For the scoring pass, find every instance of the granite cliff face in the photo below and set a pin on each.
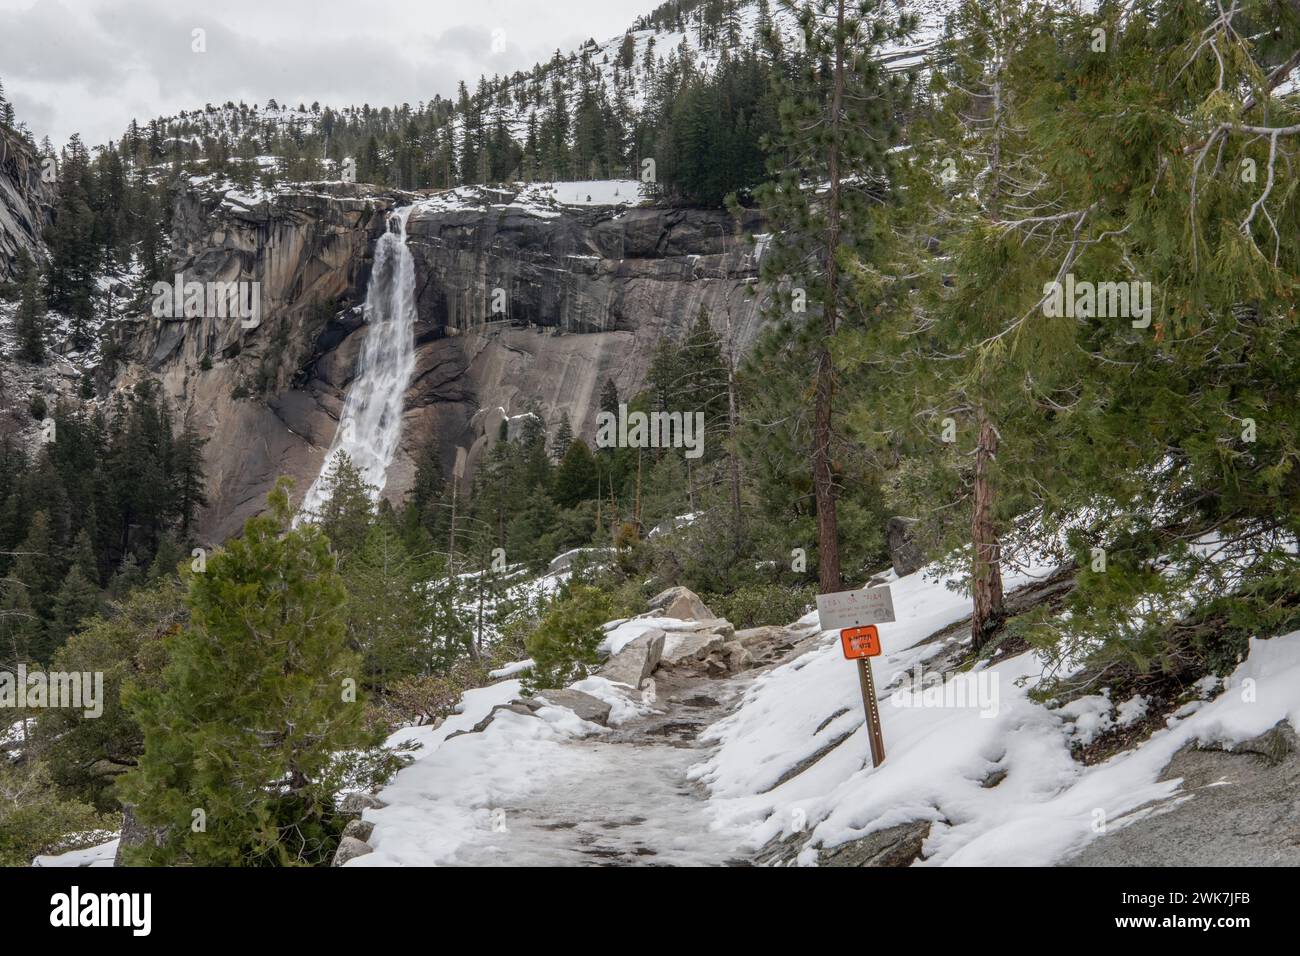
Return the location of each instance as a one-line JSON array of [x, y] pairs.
[[584, 294], [25, 201]]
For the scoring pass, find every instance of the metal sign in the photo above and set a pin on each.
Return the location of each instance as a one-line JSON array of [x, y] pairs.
[[855, 615], [855, 608], [860, 642]]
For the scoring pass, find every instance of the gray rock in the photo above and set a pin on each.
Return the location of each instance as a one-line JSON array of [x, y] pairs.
[[894, 846], [26, 202], [636, 661], [736, 655], [1243, 811], [689, 648], [349, 849], [584, 705], [904, 553], [681, 603], [359, 830], [762, 635], [353, 804], [591, 292], [521, 707]]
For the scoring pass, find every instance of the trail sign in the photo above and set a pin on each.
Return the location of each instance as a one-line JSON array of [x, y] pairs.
[[855, 615], [860, 642], [843, 609]]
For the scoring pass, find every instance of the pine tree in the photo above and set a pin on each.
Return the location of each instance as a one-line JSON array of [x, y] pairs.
[[563, 647], [575, 479], [389, 612], [347, 510], [563, 437], [30, 321], [78, 598], [837, 123], [257, 702], [187, 476]]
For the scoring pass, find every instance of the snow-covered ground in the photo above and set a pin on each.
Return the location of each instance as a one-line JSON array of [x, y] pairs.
[[99, 855], [941, 754], [943, 751]]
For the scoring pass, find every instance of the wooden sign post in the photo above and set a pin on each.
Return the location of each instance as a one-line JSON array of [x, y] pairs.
[[856, 614]]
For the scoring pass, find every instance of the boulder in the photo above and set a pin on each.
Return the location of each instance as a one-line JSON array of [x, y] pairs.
[[522, 708], [894, 846], [904, 553], [354, 804], [359, 830], [768, 633], [736, 655], [716, 625], [584, 705], [681, 603], [636, 661], [349, 849], [689, 647]]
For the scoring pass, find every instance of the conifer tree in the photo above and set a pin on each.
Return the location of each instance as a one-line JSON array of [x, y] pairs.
[[30, 321], [257, 702], [347, 510], [838, 120]]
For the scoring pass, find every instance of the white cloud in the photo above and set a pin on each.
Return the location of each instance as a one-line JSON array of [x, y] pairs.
[[90, 66]]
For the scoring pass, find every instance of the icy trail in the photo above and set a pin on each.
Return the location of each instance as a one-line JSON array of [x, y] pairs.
[[618, 800], [547, 796], [371, 422]]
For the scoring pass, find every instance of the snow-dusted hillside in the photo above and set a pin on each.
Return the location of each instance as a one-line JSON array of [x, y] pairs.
[[624, 68]]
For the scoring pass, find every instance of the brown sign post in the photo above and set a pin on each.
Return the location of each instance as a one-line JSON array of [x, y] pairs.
[[856, 614]]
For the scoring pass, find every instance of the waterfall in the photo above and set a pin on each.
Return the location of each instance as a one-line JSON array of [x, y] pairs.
[[371, 423]]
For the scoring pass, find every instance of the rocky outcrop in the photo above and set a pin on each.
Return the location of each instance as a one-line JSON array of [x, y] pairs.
[[349, 849], [690, 647], [585, 706], [636, 660], [681, 603], [586, 294], [26, 201], [904, 552], [1235, 807], [267, 398]]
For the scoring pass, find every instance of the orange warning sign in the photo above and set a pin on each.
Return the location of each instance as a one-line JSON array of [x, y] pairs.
[[860, 642]]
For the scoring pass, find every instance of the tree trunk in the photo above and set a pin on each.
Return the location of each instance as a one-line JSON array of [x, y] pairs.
[[828, 539], [986, 553], [733, 427]]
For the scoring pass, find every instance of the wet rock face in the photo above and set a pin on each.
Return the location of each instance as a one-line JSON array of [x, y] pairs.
[[266, 397], [582, 270], [586, 294], [25, 202], [545, 305]]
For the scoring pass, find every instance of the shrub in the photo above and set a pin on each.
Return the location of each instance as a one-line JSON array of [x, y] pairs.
[[755, 605], [563, 647]]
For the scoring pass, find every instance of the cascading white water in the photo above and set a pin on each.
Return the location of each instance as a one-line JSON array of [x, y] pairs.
[[371, 423]]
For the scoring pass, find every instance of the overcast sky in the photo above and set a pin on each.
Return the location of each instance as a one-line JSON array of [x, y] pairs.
[[89, 66]]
